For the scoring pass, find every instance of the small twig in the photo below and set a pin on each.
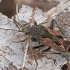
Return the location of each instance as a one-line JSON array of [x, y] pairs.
[[25, 56], [17, 11], [56, 11]]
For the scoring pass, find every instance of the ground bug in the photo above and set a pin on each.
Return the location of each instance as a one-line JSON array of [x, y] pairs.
[[48, 36]]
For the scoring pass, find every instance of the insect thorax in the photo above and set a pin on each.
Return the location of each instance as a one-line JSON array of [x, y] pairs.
[[38, 31]]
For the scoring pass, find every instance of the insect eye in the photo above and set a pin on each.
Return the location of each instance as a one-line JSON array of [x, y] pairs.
[[33, 39], [60, 37]]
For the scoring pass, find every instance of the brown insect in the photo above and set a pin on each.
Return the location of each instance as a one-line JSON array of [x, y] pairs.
[[47, 36]]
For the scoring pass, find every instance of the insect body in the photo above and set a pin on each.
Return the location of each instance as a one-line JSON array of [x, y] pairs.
[[37, 32], [48, 36]]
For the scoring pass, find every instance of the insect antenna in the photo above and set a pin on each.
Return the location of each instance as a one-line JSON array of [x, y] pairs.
[[10, 29], [18, 21]]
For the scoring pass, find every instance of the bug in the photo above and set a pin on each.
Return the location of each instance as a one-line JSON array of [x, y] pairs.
[[48, 36]]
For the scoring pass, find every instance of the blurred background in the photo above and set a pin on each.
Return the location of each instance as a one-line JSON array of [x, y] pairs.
[[8, 7]]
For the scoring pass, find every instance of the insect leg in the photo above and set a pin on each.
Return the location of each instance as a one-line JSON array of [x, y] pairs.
[[56, 53], [46, 49], [53, 22], [38, 46], [17, 24], [35, 59], [21, 40]]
